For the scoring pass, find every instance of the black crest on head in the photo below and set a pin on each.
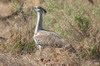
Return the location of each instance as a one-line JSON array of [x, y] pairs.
[[38, 7], [44, 10]]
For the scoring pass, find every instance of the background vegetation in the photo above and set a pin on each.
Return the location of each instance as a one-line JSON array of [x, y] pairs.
[[78, 21]]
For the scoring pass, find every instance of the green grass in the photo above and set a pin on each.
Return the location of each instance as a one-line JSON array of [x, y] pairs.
[[15, 4], [76, 20], [96, 10], [21, 47], [94, 51]]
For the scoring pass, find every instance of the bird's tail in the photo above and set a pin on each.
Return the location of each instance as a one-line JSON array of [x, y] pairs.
[[70, 48]]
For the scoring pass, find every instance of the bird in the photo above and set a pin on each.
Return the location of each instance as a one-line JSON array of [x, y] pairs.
[[43, 37]]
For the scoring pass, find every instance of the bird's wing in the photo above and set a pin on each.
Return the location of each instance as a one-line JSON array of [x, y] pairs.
[[49, 38]]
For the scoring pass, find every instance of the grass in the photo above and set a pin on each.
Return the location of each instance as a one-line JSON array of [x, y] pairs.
[[21, 47], [95, 51], [77, 21], [96, 10]]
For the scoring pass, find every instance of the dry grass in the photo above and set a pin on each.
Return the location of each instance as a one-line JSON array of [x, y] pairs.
[[77, 21]]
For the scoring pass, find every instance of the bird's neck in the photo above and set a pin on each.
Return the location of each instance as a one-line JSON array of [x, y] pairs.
[[39, 22]]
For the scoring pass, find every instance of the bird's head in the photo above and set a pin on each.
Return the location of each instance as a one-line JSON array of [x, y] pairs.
[[39, 9]]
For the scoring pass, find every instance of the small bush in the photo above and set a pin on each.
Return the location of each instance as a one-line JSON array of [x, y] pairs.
[[21, 47], [95, 51]]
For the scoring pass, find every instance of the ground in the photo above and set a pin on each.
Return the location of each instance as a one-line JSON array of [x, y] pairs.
[[76, 21]]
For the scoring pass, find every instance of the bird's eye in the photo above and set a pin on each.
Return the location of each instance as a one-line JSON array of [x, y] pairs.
[[34, 7]]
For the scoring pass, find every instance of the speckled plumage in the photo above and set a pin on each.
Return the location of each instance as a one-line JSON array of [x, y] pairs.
[[48, 38]]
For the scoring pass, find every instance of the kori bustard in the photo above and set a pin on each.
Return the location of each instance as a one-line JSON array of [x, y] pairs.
[[44, 37]]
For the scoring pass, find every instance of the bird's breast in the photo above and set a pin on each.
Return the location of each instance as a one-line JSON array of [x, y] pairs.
[[36, 34], [37, 41]]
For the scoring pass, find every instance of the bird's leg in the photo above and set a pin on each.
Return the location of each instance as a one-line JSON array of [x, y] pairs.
[[40, 49]]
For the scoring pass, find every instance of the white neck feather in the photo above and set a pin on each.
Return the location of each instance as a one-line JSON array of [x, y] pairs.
[[39, 22]]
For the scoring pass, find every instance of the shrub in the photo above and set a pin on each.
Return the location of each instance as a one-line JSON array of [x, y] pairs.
[[21, 47]]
